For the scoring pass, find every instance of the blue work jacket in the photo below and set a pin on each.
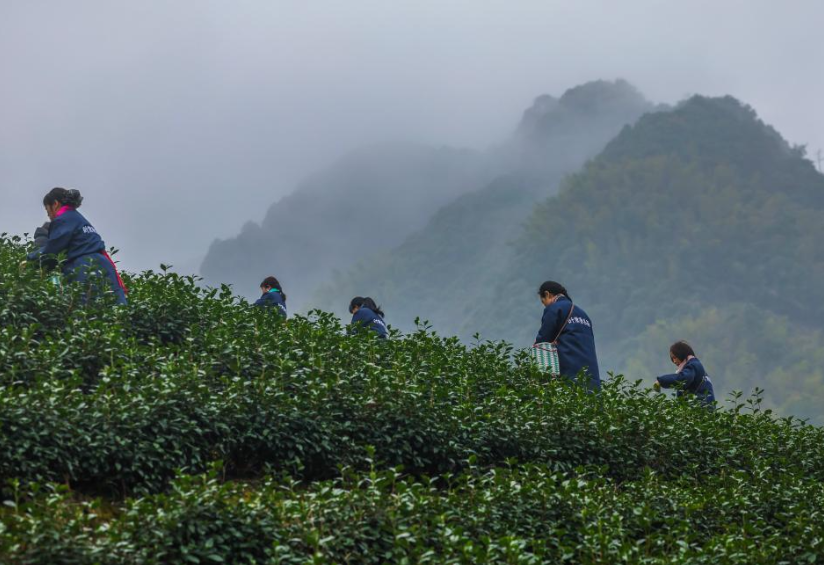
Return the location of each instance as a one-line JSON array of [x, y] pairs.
[[273, 299], [693, 378], [72, 234], [576, 343], [368, 318]]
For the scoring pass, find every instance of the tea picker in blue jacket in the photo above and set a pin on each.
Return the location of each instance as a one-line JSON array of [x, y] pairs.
[[273, 296], [70, 233], [690, 377], [570, 328], [367, 314]]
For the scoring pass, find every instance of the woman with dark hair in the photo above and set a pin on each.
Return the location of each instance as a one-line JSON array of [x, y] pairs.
[[273, 296], [70, 233], [690, 376], [367, 314], [569, 329]]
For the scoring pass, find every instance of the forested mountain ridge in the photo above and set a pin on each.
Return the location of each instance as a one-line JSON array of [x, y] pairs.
[[450, 268], [706, 198], [699, 223]]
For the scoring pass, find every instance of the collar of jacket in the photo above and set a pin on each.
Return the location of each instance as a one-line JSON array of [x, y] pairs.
[[63, 210]]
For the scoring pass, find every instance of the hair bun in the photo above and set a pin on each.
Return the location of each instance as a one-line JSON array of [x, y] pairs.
[[74, 198]]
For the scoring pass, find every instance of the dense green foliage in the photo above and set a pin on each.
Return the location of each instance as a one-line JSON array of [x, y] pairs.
[[295, 442], [508, 515]]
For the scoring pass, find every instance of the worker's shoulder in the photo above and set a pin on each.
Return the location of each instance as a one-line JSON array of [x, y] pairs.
[[696, 364], [69, 218]]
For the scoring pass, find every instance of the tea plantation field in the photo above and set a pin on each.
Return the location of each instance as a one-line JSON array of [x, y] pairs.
[[190, 428]]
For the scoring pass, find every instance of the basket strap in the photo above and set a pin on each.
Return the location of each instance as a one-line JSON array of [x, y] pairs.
[[571, 308]]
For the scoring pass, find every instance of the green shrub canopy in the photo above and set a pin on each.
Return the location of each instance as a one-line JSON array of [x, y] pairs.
[[190, 427]]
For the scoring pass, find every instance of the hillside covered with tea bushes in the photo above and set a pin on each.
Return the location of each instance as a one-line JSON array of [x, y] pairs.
[[190, 427]]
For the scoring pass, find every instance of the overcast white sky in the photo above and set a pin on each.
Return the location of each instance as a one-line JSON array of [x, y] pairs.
[[181, 120]]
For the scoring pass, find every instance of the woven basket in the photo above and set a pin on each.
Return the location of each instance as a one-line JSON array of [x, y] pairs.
[[545, 356]]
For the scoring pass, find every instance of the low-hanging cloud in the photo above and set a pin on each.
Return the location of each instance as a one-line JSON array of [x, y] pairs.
[[182, 120]]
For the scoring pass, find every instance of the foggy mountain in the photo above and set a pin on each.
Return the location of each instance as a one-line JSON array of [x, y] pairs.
[[450, 268], [180, 121], [557, 135], [368, 201], [374, 198]]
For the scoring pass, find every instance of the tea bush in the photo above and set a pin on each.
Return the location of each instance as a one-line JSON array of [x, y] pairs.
[[115, 402], [506, 515]]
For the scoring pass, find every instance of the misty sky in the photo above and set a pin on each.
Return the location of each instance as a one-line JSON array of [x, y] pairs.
[[181, 120]]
